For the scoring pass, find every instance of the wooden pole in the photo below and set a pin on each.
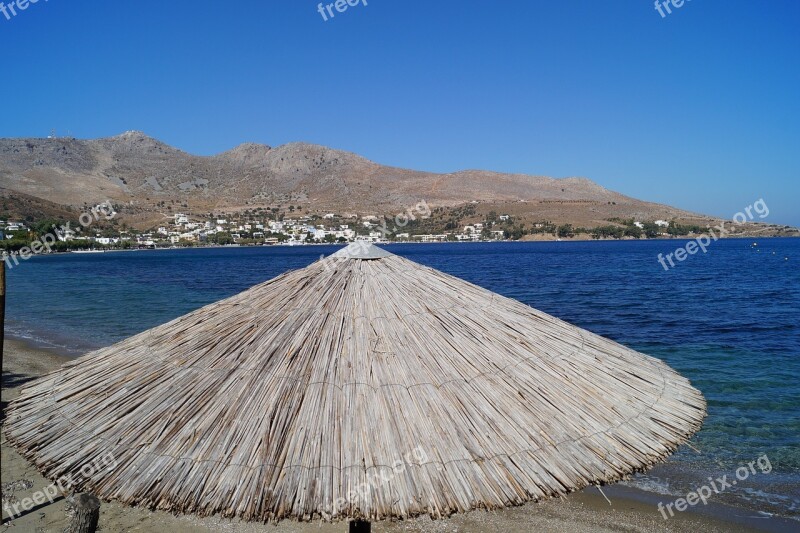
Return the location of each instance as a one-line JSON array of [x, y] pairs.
[[360, 526], [87, 514], [2, 325], [2, 306]]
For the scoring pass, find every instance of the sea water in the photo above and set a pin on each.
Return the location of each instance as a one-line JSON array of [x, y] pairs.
[[727, 319]]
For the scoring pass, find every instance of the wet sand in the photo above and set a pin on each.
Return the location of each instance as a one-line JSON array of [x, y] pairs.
[[588, 510]]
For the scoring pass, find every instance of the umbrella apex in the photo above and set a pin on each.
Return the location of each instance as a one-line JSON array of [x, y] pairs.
[[362, 250]]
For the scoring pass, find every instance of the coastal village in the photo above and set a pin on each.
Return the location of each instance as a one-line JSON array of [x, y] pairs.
[[287, 227], [183, 230]]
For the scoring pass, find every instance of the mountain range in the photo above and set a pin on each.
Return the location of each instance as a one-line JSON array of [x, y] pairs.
[[149, 178]]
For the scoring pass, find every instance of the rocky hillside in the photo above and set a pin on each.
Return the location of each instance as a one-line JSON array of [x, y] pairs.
[[150, 178]]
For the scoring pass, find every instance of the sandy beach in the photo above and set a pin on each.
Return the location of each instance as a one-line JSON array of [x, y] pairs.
[[630, 509]]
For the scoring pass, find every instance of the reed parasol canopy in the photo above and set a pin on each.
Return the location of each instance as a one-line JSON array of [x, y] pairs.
[[364, 386]]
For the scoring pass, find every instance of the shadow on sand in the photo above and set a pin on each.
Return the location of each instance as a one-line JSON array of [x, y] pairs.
[[11, 380]]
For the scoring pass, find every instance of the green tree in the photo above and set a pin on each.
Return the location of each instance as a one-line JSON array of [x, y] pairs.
[[651, 229], [633, 231], [222, 238]]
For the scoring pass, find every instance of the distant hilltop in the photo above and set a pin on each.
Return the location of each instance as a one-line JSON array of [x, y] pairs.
[[150, 179]]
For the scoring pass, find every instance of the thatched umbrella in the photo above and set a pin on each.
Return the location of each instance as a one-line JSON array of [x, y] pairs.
[[365, 386]]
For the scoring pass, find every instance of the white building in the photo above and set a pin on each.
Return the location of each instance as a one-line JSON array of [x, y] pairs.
[[64, 234], [431, 238]]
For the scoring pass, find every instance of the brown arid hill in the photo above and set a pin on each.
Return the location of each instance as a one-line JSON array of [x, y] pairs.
[[17, 206], [150, 180]]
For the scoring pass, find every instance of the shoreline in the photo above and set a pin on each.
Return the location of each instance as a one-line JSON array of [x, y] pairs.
[[630, 509], [38, 341], [54, 352], [535, 239]]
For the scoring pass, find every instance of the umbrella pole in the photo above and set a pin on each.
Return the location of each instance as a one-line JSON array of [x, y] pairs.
[[2, 325], [2, 305], [360, 526], [87, 514]]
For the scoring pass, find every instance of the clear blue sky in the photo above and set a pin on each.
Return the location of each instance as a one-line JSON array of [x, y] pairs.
[[699, 109]]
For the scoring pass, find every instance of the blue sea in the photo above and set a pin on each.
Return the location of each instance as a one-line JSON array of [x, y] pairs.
[[728, 319]]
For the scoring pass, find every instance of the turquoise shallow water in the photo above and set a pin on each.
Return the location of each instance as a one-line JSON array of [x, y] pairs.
[[728, 319]]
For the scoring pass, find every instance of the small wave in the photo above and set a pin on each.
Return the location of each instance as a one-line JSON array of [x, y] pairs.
[[52, 343], [653, 485]]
